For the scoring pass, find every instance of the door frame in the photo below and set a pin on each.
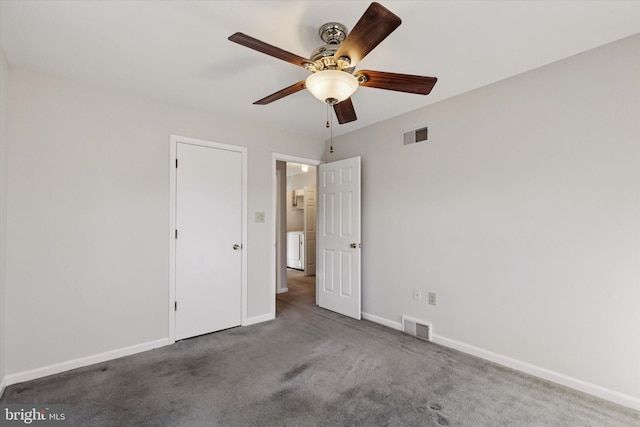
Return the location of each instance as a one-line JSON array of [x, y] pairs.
[[173, 145], [274, 198]]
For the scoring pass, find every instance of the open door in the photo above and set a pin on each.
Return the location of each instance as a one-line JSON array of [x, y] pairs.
[[339, 256]]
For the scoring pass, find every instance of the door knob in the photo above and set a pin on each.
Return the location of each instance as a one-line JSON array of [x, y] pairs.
[[353, 246], [236, 247]]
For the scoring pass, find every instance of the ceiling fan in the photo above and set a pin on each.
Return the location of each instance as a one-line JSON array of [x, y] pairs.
[[334, 79]]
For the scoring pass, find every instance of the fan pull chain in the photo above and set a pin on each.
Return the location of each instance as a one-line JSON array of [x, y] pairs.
[[327, 125], [330, 125]]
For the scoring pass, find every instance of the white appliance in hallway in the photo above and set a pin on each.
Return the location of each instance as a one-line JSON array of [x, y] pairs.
[[295, 249]]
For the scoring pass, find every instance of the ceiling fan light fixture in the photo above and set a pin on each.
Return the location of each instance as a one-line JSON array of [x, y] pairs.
[[331, 86]]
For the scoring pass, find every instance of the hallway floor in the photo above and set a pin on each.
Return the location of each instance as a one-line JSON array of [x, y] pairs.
[[302, 290]]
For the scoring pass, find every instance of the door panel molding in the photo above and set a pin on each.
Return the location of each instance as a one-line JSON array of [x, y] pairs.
[[310, 222]]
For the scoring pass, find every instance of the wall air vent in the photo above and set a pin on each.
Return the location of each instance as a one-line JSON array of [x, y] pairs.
[[415, 135], [417, 328]]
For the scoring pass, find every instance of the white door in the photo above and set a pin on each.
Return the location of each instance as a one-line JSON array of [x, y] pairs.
[[339, 237], [209, 236], [309, 231]]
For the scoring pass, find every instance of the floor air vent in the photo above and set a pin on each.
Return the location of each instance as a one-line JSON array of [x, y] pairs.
[[417, 328], [415, 135]]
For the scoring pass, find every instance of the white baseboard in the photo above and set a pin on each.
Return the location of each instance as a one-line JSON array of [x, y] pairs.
[[259, 319], [3, 385], [382, 321], [83, 361], [101, 357], [282, 290], [556, 377]]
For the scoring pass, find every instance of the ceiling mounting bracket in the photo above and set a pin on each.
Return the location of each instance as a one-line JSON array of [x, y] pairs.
[[333, 33]]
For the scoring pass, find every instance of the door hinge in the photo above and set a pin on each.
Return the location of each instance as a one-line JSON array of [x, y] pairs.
[[176, 233], [175, 306], [176, 163]]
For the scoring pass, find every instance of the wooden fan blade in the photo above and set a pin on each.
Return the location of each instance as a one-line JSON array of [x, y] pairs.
[[345, 112], [296, 87], [268, 49], [399, 82], [375, 25]]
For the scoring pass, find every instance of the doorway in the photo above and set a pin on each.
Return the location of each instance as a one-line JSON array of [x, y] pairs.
[[295, 230]]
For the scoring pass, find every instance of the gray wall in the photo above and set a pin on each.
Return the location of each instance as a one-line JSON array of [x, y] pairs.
[[522, 212], [88, 217]]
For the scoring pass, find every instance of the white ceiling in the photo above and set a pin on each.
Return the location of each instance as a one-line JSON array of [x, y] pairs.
[[177, 51]]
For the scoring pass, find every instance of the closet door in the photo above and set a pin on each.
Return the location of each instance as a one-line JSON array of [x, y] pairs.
[[208, 263]]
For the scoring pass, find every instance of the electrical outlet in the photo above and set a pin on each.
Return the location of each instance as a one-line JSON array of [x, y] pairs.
[[417, 294], [260, 216], [432, 298]]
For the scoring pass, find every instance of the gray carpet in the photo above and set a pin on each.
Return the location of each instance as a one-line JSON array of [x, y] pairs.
[[312, 367]]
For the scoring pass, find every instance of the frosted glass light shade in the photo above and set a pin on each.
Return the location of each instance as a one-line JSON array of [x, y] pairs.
[[331, 84]]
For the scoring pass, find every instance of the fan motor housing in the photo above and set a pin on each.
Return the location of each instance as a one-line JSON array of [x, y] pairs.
[[324, 51]]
